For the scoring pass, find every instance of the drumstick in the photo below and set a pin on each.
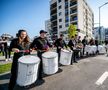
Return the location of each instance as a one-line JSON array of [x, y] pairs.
[[24, 51]]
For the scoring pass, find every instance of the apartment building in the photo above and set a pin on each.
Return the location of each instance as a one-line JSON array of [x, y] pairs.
[[66, 12]]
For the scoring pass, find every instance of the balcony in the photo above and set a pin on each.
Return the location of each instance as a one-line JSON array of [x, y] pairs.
[[72, 3], [53, 12], [54, 24], [53, 6], [73, 11], [53, 18], [73, 19]]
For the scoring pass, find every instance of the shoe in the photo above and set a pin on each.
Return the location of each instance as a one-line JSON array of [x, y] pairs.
[[6, 60], [75, 62]]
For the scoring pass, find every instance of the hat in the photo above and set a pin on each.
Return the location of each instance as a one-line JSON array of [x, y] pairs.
[[42, 31]]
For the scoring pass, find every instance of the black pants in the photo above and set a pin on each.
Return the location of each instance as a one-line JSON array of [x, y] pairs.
[[39, 54], [14, 72], [59, 54]]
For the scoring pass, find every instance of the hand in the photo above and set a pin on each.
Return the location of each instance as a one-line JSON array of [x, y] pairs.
[[15, 50]]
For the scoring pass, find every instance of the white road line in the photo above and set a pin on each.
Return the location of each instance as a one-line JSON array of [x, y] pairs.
[[102, 78]]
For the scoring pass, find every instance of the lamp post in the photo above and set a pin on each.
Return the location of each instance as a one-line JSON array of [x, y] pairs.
[[99, 21]]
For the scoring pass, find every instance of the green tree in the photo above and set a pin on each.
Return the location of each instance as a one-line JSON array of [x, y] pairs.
[[72, 30]]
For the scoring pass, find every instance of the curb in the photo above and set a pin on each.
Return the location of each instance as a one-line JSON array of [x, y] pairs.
[[4, 73]]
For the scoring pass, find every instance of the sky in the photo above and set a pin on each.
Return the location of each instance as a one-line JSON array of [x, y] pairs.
[[31, 15]]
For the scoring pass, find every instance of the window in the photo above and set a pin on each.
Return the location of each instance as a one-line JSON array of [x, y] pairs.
[[60, 20], [60, 26], [66, 19], [59, 1], [60, 13], [60, 7], [67, 24]]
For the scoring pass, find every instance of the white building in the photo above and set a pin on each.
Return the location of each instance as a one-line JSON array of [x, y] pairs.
[[66, 12], [96, 33], [48, 29]]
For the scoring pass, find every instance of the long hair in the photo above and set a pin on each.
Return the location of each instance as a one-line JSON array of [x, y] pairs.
[[25, 41]]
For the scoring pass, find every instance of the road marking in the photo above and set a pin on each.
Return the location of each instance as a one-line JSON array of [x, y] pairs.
[[102, 78]]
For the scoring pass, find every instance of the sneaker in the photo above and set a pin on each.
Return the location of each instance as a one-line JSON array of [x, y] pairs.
[[6, 60]]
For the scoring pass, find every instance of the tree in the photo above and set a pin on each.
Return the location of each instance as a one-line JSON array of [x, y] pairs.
[[72, 30]]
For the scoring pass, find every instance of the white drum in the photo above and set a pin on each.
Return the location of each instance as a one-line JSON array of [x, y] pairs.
[[90, 49], [50, 62], [65, 57], [101, 49], [27, 70]]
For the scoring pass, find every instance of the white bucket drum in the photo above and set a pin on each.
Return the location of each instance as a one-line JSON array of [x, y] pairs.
[[65, 57], [101, 49], [27, 70], [50, 62], [91, 49]]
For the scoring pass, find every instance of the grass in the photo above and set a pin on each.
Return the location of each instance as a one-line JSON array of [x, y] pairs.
[[2, 54], [5, 68]]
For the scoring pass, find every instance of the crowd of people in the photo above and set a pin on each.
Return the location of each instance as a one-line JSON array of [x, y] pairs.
[[41, 45]]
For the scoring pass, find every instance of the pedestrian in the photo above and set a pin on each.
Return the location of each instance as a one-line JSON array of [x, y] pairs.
[[42, 45], [5, 48], [84, 42], [60, 44], [22, 42], [71, 45], [97, 43]]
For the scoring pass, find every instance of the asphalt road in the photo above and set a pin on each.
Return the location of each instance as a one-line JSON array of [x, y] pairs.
[[79, 76]]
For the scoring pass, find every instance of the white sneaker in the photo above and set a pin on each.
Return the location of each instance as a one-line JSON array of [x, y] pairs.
[[6, 60]]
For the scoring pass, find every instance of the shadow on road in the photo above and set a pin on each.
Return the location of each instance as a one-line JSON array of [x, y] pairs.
[[6, 76], [4, 86]]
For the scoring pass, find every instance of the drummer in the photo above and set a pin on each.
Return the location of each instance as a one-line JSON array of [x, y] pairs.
[[72, 45], [42, 45], [60, 43], [22, 42]]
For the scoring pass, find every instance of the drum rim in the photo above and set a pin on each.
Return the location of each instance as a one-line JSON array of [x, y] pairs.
[[66, 52], [29, 63], [49, 57]]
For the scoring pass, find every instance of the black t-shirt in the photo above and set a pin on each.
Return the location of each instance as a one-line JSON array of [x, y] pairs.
[[40, 44]]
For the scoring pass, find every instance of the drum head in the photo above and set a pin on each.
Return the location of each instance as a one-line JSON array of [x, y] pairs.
[[49, 54], [67, 51], [28, 59]]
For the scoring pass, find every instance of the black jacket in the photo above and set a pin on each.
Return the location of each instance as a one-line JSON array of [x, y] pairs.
[[40, 43], [71, 44], [60, 43]]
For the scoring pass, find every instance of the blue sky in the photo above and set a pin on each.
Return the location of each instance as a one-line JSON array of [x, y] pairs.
[[31, 15]]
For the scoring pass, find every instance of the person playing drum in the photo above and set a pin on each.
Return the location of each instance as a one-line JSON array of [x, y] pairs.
[[42, 45], [22, 42], [60, 43]]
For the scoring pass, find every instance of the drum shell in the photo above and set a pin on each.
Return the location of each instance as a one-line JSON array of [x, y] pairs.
[[27, 73], [50, 65], [65, 57]]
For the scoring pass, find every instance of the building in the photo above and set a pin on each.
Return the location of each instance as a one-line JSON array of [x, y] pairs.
[[48, 29], [96, 33], [66, 12], [106, 34]]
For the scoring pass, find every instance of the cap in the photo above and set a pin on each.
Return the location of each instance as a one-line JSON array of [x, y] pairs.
[[42, 31]]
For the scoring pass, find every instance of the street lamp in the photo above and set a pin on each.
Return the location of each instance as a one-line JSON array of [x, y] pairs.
[[99, 20]]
